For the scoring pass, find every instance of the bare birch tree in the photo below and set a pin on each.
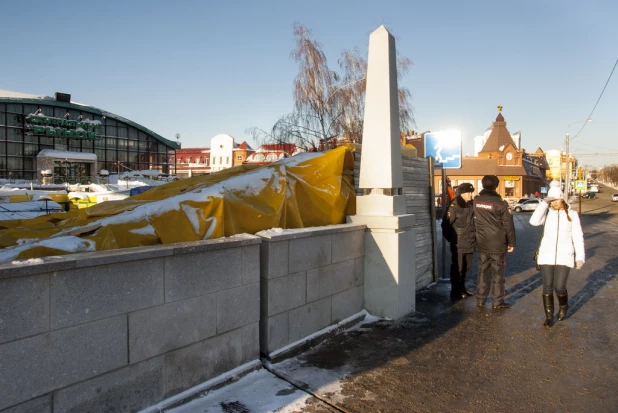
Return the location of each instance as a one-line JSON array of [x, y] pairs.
[[328, 106]]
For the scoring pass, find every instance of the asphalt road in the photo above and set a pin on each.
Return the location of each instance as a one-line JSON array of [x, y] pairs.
[[449, 357]]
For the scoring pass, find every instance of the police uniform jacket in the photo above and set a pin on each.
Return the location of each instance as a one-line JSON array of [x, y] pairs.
[[461, 218], [495, 231]]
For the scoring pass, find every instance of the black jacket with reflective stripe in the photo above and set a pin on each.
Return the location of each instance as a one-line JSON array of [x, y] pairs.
[[495, 231]]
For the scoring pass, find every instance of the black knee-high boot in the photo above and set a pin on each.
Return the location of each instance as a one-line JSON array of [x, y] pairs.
[[548, 304], [563, 302]]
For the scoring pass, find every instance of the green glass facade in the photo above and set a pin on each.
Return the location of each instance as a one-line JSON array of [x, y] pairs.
[[28, 126]]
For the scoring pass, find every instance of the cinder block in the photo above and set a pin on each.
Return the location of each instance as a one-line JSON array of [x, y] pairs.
[[238, 307], [274, 333], [24, 306], [197, 363], [348, 245], [359, 271], [250, 264], [250, 342], [285, 293], [129, 389], [37, 365], [308, 319], [273, 259], [157, 330], [78, 296], [308, 253], [347, 303], [39, 405], [190, 275]]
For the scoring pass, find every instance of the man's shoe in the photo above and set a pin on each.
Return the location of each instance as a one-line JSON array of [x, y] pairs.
[[468, 292], [502, 305], [457, 295], [480, 306]]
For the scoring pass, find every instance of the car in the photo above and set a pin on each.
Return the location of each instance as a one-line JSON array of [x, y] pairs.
[[615, 198], [589, 195], [527, 205]]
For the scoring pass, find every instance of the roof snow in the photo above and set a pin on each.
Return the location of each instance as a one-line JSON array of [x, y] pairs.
[[52, 153]]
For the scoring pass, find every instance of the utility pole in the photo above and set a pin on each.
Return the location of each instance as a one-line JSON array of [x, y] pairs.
[[567, 180], [568, 158]]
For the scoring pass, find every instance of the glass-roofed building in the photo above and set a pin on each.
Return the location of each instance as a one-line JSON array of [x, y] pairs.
[[69, 141]]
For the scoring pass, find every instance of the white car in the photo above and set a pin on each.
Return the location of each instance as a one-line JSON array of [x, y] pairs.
[[528, 205], [615, 198]]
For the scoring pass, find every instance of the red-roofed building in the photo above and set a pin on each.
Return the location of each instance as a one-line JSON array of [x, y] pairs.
[[223, 153], [272, 152], [192, 161], [242, 152], [520, 173]]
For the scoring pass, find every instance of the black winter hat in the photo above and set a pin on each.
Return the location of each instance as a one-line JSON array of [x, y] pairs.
[[490, 182], [466, 187]]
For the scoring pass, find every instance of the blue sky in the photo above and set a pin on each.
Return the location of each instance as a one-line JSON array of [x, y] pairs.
[[200, 68]]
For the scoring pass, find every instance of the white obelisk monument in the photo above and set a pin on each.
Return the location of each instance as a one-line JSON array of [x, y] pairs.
[[390, 276]]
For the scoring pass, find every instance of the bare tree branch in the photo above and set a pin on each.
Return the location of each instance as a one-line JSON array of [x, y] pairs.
[[329, 106]]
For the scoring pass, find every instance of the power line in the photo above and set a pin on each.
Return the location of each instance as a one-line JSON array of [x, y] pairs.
[[595, 105], [595, 154], [596, 146]]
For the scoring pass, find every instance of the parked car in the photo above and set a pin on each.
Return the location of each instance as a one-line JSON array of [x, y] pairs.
[[527, 205], [589, 195], [615, 198]]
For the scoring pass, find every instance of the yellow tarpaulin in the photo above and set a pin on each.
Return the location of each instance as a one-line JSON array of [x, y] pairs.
[[299, 192]]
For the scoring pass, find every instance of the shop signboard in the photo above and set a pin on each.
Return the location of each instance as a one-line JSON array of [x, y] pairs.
[[63, 128]]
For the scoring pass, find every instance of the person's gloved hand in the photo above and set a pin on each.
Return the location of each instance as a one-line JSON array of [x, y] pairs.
[[579, 264]]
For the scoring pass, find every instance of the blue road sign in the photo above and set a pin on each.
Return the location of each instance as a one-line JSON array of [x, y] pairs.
[[543, 189], [580, 185], [444, 147]]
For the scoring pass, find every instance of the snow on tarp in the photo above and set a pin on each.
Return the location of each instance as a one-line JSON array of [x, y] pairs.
[[291, 193]]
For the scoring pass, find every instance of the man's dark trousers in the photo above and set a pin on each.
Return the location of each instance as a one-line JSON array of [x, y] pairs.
[[491, 268], [460, 265]]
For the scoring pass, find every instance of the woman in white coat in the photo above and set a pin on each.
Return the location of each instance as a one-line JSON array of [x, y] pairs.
[[561, 248]]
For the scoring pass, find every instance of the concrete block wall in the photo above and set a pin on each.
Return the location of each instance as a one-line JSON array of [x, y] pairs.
[[417, 190], [311, 279], [123, 330]]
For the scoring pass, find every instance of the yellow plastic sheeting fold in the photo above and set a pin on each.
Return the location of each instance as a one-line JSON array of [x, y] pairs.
[[296, 192]]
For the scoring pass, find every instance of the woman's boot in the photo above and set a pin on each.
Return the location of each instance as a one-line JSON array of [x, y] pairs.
[[548, 304], [563, 302]]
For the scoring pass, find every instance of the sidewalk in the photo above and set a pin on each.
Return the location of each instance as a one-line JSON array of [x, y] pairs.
[[449, 357]]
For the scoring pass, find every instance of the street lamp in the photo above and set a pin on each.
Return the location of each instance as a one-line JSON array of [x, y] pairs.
[[567, 181]]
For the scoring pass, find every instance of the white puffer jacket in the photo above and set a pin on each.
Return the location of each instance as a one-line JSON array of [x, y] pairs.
[[563, 240]]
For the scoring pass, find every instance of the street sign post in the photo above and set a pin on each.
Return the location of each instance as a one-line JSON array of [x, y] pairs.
[[581, 185], [444, 147]]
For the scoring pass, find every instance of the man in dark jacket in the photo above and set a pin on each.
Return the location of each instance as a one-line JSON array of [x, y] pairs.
[[495, 235], [460, 217]]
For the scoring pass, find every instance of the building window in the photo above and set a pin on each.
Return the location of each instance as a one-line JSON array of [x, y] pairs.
[[220, 160], [239, 158]]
